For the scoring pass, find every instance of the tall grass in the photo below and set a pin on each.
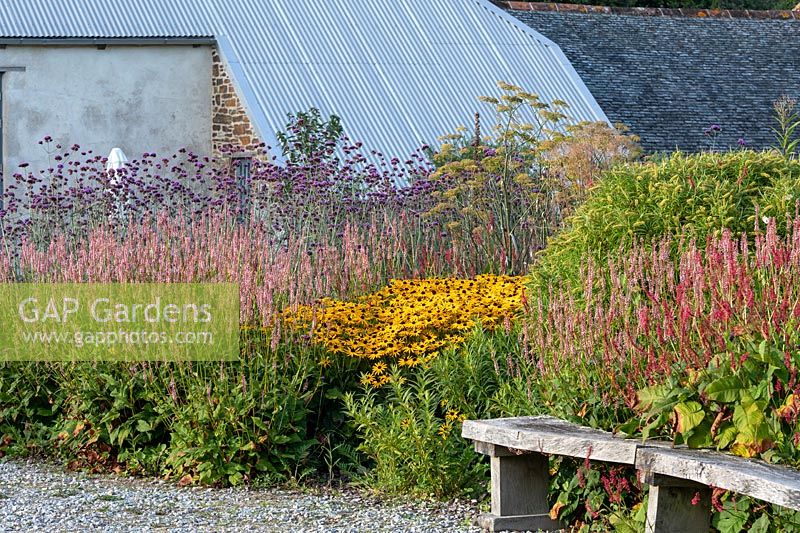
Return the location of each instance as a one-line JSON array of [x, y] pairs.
[[214, 247]]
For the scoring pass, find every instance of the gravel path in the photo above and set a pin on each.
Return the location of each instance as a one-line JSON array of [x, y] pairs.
[[39, 497]]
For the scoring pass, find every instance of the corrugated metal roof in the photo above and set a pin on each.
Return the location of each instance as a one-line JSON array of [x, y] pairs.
[[102, 19], [400, 73]]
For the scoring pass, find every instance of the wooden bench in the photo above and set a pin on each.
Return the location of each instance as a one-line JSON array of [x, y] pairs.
[[518, 450]]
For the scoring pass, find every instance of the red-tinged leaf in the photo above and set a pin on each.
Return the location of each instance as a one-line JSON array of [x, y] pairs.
[[689, 415]]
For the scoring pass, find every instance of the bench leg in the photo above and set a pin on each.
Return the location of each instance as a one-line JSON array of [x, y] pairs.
[[519, 492], [670, 508]]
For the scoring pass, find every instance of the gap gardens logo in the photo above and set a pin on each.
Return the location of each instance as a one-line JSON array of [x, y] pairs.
[[118, 321]]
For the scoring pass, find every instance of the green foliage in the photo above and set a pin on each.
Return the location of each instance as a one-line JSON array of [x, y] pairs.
[[471, 377], [682, 196], [746, 407], [787, 131], [28, 407], [596, 496], [493, 196], [308, 138], [106, 416], [207, 423], [235, 421], [711, 368], [511, 190], [489, 376], [409, 430], [738, 515], [413, 438]]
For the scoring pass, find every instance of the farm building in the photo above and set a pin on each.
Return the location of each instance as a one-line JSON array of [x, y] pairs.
[[154, 76]]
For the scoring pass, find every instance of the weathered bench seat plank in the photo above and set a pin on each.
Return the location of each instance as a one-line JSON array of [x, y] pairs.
[[679, 478], [771, 483], [545, 434]]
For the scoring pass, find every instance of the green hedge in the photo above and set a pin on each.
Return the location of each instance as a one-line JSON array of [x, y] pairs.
[[679, 196]]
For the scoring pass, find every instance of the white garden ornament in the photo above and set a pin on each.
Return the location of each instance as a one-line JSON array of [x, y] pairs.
[[116, 160]]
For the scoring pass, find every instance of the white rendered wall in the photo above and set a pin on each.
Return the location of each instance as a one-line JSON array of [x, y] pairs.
[[138, 98]]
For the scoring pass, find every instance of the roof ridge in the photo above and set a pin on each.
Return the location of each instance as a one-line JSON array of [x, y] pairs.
[[773, 14]]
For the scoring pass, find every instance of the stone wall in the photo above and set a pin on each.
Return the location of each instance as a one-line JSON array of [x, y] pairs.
[[231, 125]]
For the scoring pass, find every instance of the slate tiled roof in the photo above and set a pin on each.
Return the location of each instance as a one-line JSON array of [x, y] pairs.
[[670, 77], [400, 73]]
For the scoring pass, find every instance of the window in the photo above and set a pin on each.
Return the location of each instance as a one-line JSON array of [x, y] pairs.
[[241, 166]]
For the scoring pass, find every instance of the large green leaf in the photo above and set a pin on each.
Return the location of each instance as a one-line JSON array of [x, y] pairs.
[[768, 353], [760, 526], [661, 397], [651, 395], [725, 390], [726, 435], [689, 415], [748, 417], [623, 524], [731, 521], [701, 436], [754, 435]]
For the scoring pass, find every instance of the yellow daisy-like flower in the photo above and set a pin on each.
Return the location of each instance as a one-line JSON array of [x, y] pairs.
[[452, 414], [409, 321]]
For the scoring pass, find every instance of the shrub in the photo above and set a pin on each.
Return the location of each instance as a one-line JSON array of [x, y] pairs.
[[699, 348], [576, 159], [29, 406], [413, 438], [688, 196], [472, 376], [106, 417], [230, 422], [308, 139]]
